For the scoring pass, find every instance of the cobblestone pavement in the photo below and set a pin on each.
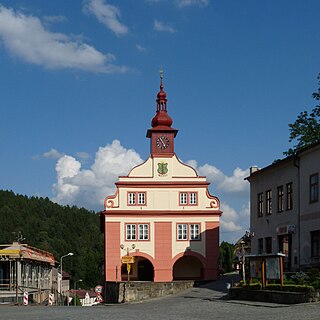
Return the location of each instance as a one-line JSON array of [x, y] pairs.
[[206, 302]]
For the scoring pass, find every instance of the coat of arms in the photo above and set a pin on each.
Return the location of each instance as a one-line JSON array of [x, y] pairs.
[[162, 168]]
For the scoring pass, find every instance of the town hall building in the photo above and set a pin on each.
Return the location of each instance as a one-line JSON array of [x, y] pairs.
[[162, 214]]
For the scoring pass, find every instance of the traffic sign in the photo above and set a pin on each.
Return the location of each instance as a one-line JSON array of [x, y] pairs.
[[127, 259]]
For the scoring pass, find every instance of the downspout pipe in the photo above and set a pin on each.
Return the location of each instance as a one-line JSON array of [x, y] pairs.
[[296, 163]]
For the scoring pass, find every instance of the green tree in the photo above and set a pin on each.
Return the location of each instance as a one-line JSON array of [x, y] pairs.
[[226, 256], [306, 129]]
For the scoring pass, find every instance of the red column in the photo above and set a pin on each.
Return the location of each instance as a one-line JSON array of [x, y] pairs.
[[112, 254], [212, 251], [163, 252]]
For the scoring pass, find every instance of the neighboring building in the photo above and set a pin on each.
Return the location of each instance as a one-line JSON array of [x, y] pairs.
[[87, 298], [162, 214], [25, 269], [285, 208]]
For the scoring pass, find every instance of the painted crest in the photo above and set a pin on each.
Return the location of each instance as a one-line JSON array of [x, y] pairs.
[[162, 168]]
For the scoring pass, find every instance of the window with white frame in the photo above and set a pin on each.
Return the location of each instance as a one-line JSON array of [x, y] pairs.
[[182, 232], [141, 198], [183, 198], [188, 231], [143, 232], [130, 232], [194, 231], [131, 198], [193, 198], [188, 198], [136, 198], [142, 229]]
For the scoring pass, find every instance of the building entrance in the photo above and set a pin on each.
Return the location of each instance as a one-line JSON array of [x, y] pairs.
[[285, 247]]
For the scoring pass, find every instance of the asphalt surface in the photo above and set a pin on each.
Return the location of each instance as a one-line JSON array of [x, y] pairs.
[[206, 302]]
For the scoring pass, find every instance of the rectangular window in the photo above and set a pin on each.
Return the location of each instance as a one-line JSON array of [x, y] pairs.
[[269, 202], [188, 198], [314, 187], [143, 232], [260, 204], [136, 198], [315, 243], [268, 243], [131, 232], [192, 198], [182, 232], [289, 196], [280, 198], [194, 231], [183, 198], [132, 198], [260, 245], [141, 198]]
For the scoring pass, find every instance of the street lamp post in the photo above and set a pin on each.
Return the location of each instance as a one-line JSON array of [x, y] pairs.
[[133, 246], [75, 289], [66, 255]]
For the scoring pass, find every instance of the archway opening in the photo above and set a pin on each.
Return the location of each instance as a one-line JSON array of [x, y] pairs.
[[141, 270], [188, 268]]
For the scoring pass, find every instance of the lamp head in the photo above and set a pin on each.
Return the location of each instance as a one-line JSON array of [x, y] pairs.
[[133, 246], [70, 254], [122, 246]]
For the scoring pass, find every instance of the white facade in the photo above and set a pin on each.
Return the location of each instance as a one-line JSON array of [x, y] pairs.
[[285, 208]]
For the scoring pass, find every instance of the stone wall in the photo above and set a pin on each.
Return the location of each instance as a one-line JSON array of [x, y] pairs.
[[137, 291], [283, 297]]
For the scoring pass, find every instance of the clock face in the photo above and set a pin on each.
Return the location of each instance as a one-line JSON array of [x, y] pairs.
[[162, 142]]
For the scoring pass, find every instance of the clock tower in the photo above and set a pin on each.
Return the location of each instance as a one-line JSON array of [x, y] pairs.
[[161, 134]]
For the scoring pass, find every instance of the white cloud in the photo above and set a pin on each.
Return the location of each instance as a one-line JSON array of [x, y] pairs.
[[83, 156], [234, 184], [141, 48], [26, 38], [106, 14], [163, 27], [52, 154], [188, 3], [88, 188]]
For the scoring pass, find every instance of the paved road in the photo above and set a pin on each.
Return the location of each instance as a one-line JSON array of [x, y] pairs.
[[206, 302]]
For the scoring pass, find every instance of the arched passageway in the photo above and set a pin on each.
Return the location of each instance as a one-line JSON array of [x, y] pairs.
[[141, 270], [188, 268]]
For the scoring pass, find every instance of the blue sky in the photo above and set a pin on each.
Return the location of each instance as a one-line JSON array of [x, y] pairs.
[[79, 80]]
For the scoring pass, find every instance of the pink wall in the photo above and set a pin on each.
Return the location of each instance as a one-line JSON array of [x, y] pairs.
[[163, 251], [212, 250], [112, 245]]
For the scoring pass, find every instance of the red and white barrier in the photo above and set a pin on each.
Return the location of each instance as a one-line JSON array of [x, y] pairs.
[[25, 298], [51, 298]]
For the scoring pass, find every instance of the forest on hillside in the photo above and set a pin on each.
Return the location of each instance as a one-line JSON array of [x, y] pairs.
[[56, 229]]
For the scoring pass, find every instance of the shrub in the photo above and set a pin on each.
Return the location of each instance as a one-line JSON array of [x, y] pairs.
[[290, 287]]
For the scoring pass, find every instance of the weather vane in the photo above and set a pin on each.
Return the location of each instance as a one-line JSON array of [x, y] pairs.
[[161, 72]]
